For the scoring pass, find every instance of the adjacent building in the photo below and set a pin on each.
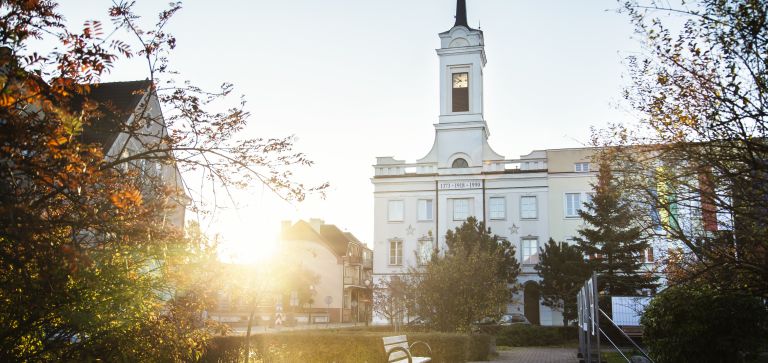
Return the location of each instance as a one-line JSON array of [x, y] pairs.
[[343, 265], [128, 121], [320, 274]]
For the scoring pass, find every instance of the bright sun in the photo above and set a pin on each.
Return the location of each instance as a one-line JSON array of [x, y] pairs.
[[249, 239]]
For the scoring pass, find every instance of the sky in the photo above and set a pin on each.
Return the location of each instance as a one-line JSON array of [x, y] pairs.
[[357, 79]]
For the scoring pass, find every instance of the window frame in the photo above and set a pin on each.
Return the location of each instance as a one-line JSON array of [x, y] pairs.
[[389, 211], [503, 209], [453, 207], [535, 207], [523, 249], [454, 106], [398, 258], [581, 167], [565, 205], [429, 210], [463, 166], [424, 241]]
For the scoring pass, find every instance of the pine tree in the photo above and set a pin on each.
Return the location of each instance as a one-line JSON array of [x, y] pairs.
[[613, 242], [472, 237], [563, 271]]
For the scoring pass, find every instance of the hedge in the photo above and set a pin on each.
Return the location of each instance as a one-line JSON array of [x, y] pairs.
[[344, 346], [533, 335]]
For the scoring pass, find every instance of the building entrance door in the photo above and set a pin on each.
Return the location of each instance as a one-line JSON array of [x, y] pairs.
[[531, 297]]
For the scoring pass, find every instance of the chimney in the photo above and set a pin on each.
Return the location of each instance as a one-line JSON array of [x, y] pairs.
[[316, 223]]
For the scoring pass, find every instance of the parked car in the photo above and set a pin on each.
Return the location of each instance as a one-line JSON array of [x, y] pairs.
[[513, 319]]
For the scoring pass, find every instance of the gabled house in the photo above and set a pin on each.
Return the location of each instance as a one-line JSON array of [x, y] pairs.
[[343, 265], [128, 122]]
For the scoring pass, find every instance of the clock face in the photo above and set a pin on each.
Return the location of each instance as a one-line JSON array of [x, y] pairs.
[[460, 80]]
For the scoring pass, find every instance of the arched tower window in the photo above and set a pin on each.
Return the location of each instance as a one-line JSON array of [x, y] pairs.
[[460, 163]]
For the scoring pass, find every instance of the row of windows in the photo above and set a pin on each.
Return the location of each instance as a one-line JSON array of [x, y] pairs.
[[529, 251], [497, 207], [423, 253], [462, 208]]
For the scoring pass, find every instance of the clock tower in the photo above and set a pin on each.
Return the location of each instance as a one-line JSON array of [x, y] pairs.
[[461, 134], [462, 58]]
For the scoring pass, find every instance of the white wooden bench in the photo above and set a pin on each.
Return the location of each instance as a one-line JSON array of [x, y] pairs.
[[398, 350]]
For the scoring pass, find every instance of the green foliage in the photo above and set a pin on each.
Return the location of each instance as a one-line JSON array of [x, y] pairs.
[[472, 237], [563, 271], [468, 283], [93, 260], [700, 90], [534, 335], [344, 346], [612, 239], [698, 323]]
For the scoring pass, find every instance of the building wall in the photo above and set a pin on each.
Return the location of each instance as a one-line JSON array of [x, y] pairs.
[[562, 179], [317, 258]]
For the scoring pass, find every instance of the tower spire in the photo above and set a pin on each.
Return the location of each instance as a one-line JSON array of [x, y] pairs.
[[461, 13]]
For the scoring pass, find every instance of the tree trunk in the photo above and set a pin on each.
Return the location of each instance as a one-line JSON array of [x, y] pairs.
[[247, 351]]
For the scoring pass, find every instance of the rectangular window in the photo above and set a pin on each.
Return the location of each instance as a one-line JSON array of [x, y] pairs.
[[530, 251], [572, 204], [460, 209], [425, 209], [395, 252], [581, 167], [497, 207], [649, 255], [460, 92], [528, 208], [395, 211], [425, 250]]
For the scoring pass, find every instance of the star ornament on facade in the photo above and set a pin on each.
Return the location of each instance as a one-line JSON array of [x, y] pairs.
[[514, 229], [410, 230]]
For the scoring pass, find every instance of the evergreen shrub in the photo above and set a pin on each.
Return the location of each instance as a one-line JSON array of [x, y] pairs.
[[534, 335], [344, 346]]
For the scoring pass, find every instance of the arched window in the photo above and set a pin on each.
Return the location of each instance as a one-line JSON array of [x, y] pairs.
[[460, 163]]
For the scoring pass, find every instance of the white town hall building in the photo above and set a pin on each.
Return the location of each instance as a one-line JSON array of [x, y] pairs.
[[526, 200]]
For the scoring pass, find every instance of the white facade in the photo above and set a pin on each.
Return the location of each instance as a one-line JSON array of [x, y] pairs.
[[414, 201]]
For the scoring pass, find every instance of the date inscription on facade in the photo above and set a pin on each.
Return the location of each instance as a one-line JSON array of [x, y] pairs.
[[459, 185]]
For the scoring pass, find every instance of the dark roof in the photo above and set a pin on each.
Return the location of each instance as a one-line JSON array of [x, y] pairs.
[[335, 238], [301, 231], [461, 13], [117, 101], [330, 235]]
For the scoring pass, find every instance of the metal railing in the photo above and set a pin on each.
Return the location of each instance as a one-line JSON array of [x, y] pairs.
[[590, 332]]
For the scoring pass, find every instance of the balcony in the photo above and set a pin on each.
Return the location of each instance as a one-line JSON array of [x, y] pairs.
[[389, 167], [353, 260], [352, 280]]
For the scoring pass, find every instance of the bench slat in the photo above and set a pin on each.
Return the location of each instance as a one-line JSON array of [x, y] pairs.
[[395, 340], [400, 341]]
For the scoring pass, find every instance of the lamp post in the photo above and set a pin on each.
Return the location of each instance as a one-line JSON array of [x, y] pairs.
[[311, 300], [370, 300]]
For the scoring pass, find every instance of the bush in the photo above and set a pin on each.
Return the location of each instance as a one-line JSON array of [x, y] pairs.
[[534, 335], [344, 346], [480, 347], [700, 324]]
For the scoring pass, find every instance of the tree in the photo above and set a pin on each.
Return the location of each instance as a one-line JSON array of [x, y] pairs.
[[700, 94], [611, 239], [89, 262], [472, 236], [470, 282], [563, 271], [390, 300], [699, 323]]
